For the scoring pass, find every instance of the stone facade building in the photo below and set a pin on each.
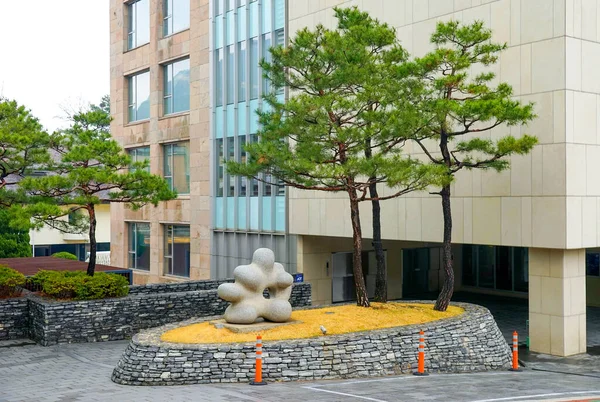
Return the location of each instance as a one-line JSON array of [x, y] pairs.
[[160, 106], [530, 232]]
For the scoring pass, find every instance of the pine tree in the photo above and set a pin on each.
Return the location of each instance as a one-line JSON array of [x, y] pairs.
[[459, 107], [23, 147], [91, 168]]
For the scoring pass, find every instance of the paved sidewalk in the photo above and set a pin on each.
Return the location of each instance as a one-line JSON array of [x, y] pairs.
[[81, 372]]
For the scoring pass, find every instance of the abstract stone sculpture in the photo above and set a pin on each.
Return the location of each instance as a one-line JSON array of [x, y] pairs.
[[246, 293]]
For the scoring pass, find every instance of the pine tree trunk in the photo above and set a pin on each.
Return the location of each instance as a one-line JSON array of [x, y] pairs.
[[362, 298], [92, 263], [445, 295], [381, 279]]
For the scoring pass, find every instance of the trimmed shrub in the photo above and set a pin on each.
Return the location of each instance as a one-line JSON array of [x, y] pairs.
[[65, 255], [77, 285], [11, 282]]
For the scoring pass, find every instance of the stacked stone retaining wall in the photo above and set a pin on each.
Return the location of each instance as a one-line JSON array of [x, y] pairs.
[[466, 343], [189, 286], [14, 318], [55, 322]]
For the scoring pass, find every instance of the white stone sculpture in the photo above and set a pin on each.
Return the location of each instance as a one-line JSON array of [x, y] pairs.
[[246, 293]]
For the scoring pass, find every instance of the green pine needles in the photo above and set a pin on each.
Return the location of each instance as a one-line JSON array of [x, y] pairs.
[[90, 168]]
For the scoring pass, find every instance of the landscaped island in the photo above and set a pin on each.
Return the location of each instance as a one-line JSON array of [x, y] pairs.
[[467, 342]]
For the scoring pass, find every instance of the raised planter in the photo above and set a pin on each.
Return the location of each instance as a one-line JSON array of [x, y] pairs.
[[465, 343], [55, 322], [14, 318]]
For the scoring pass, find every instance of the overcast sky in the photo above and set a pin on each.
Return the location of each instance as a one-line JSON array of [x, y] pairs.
[[54, 53]]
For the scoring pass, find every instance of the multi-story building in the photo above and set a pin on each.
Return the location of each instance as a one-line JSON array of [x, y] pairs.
[[164, 110], [160, 86], [530, 232]]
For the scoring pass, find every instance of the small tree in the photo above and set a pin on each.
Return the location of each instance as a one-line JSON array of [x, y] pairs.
[[91, 168], [328, 136], [23, 146], [14, 241], [458, 103]]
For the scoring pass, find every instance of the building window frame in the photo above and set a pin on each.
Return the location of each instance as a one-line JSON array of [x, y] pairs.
[[132, 102], [169, 94], [133, 24], [170, 260], [135, 157], [168, 165], [169, 18], [132, 230]]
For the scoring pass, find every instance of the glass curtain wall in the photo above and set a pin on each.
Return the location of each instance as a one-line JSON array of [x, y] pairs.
[[496, 267], [243, 32]]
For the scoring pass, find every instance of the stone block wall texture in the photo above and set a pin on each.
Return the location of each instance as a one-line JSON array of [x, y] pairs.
[[467, 343], [188, 286], [55, 322], [14, 318]]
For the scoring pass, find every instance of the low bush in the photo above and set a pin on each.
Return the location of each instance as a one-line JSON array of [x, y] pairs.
[[77, 285], [11, 282], [65, 255]]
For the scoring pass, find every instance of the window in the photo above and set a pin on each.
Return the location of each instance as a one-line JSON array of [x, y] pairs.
[[220, 167], [592, 262], [138, 32], [279, 40], [241, 71], [176, 16], [254, 77], [242, 159], [343, 287], [177, 250], [230, 74], [254, 182], [219, 77], [177, 166], [496, 267], [176, 95], [139, 246], [139, 96], [266, 48], [230, 157], [140, 155]]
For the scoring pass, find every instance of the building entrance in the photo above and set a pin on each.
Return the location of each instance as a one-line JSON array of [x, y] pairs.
[[415, 267]]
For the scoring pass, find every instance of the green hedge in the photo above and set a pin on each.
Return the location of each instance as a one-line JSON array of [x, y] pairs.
[[11, 282], [77, 285], [65, 255]]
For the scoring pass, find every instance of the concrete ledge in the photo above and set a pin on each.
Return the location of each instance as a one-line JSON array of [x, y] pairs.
[[466, 343]]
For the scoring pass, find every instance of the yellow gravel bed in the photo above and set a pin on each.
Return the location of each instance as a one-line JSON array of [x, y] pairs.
[[345, 319]]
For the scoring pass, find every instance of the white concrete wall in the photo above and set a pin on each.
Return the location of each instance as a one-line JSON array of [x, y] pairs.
[[48, 236]]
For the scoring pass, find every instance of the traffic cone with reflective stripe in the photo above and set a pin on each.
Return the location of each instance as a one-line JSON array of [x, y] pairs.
[[258, 369], [515, 353], [421, 368]]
